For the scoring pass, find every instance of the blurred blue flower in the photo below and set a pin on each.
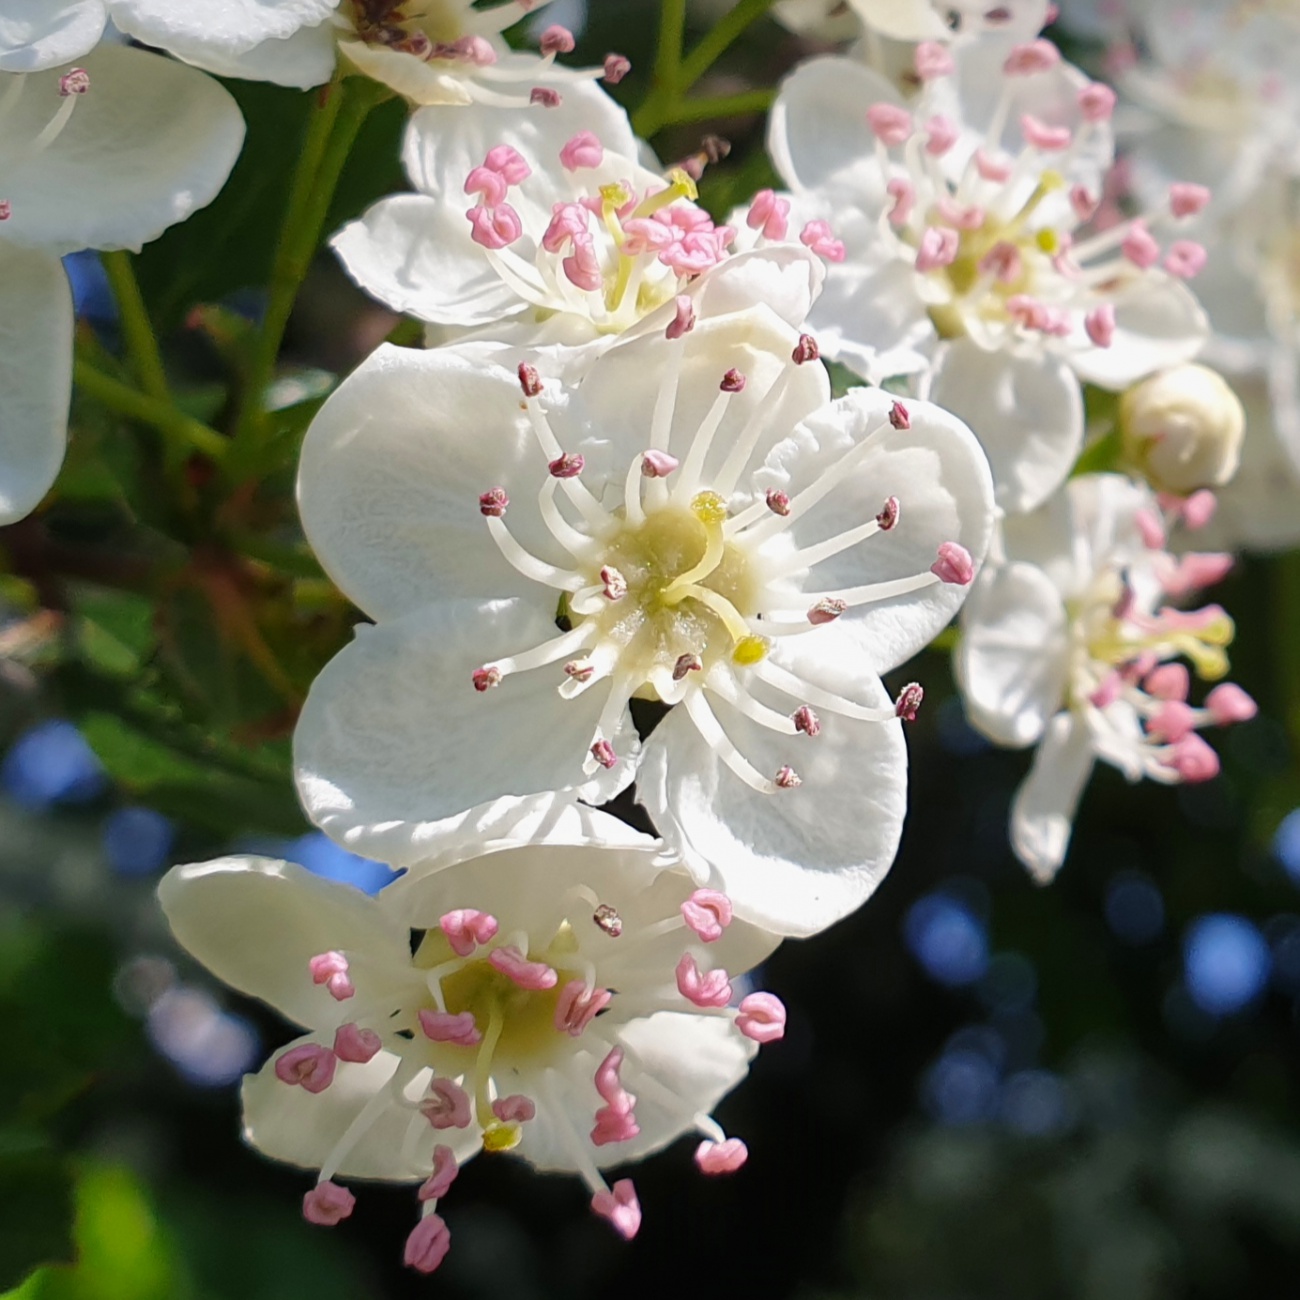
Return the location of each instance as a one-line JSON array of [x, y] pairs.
[[208, 1046], [1286, 845], [138, 841], [1284, 939], [961, 1087], [1036, 1103], [1135, 908], [92, 297], [947, 938], [322, 857], [51, 764], [1225, 963]]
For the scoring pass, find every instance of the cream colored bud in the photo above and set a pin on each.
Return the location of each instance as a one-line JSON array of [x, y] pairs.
[[1182, 429]]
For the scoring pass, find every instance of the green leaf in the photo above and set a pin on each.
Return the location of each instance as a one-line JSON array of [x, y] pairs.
[[36, 1209]]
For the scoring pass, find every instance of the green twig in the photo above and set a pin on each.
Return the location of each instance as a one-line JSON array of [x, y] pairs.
[[718, 38], [700, 110], [188, 434], [137, 329]]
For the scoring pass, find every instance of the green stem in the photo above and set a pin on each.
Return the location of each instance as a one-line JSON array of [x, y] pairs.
[[700, 110], [718, 38], [137, 329], [188, 434], [653, 111]]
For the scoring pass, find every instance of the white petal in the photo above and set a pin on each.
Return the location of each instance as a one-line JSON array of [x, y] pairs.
[[1027, 412], [398, 756], [391, 472], [39, 34], [941, 479], [1042, 814], [902, 20], [415, 254], [256, 924], [1158, 323], [794, 861], [818, 132], [784, 278], [150, 142], [301, 61], [1013, 660], [223, 26], [302, 1128], [36, 322]]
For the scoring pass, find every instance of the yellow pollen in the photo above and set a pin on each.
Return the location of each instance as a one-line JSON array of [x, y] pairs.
[[1048, 240], [614, 196], [501, 1137], [709, 507], [750, 650], [1050, 181]]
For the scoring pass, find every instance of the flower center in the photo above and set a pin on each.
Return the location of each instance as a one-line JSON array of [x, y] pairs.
[[405, 24]]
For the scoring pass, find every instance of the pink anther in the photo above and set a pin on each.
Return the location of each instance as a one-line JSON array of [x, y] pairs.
[[941, 133], [581, 670], [958, 215], [909, 701], [1150, 529], [488, 184], [806, 721], [616, 68], [444, 1027], [1199, 509], [1228, 703], [309, 1066], [327, 1204], [704, 989], [511, 164], [1194, 760], [529, 380], [1186, 259], [1034, 56], [620, 1206], [1171, 721], [1097, 102], [515, 1109], [613, 1126], [707, 913], [891, 124], [1140, 246], [568, 222], [331, 969], [557, 40], [446, 1105], [805, 350], [1168, 682], [687, 663], [769, 214], [545, 96], [615, 583], [493, 502], [899, 416], [786, 778], [566, 465], [1099, 324], [939, 245], [445, 1169], [1083, 202], [1111, 688], [581, 268], [991, 168], [954, 565], [903, 192], [485, 679], [932, 61], [584, 150], [683, 320], [428, 1244], [496, 227], [778, 502], [578, 1007], [658, 464], [355, 1044], [733, 382], [721, 1157], [603, 752], [1186, 199], [1050, 139], [607, 920], [610, 1086], [818, 236], [762, 1017], [532, 975], [76, 81], [826, 610], [1194, 572]]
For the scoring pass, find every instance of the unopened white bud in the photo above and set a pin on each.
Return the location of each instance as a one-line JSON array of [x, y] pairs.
[[1182, 429]]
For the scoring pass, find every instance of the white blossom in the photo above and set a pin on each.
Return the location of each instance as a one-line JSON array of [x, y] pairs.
[[696, 524]]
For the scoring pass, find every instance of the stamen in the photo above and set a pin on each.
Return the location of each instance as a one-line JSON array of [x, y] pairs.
[[778, 502], [556, 40], [812, 555], [527, 563], [578, 1007], [703, 990], [532, 975], [826, 610], [548, 652], [954, 565], [805, 350], [427, 1245], [445, 1169], [352, 1043], [710, 729], [446, 1105], [529, 380], [684, 320], [603, 752], [806, 720], [787, 779], [607, 919], [493, 502], [327, 1204], [515, 1109], [620, 1206], [1228, 703], [762, 1017], [899, 416], [444, 1027], [658, 464], [721, 1157], [485, 679], [616, 68], [331, 969], [309, 1066], [567, 465], [545, 96], [687, 663], [909, 701]]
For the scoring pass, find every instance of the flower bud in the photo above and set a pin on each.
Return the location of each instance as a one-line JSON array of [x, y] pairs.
[[1182, 429]]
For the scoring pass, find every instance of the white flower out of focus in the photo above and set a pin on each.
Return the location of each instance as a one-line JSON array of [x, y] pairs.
[[428, 51], [1072, 644], [696, 524], [912, 20], [558, 236], [107, 154], [968, 258], [569, 1002]]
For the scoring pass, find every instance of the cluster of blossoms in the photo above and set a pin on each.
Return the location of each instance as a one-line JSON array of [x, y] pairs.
[[612, 532]]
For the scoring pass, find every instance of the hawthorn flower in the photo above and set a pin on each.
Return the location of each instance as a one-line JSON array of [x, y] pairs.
[[560, 235], [104, 155], [1072, 644], [695, 524], [429, 51], [570, 1002], [967, 257]]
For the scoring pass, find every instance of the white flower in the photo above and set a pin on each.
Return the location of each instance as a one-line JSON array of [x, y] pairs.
[[960, 217], [105, 155], [1183, 429], [911, 20], [1070, 645], [705, 530], [430, 51], [40, 34], [559, 236], [568, 1001]]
